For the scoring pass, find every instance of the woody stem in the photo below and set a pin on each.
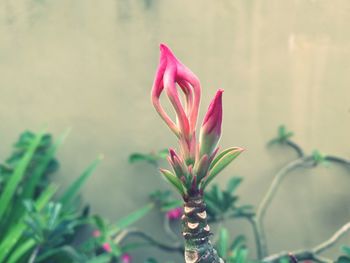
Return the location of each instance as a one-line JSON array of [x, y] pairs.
[[196, 231]]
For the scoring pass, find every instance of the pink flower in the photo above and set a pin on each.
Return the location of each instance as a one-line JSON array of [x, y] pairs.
[[126, 258], [175, 213], [96, 233], [107, 247], [210, 132], [170, 75]]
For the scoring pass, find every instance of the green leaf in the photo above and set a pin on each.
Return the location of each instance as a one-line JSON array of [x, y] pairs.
[[284, 260], [171, 178], [137, 157], [217, 158], [100, 259], [16, 232], [343, 259], [221, 163], [346, 250], [239, 241], [233, 184], [163, 154], [242, 255], [318, 157], [16, 177], [21, 250], [222, 244], [130, 219], [40, 169], [64, 253], [73, 190]]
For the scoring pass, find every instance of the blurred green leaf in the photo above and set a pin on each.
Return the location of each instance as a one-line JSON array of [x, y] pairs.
[[152, 158], [12, 183], [15, 233], [73, 190], [42, 166], [318, 157], [343, 259], [233, 183], [283, 135], [100, 259], [130, 219], [346, 250], [222, 244]]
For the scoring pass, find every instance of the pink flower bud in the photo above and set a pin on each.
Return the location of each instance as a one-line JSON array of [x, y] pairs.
[[175, 213], [211, 128], [126, 258], [170, 74], [177, 163], [107, 247]]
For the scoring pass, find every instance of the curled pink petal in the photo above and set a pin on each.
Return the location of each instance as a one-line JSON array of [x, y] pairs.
[[171, 72], [157, 89]]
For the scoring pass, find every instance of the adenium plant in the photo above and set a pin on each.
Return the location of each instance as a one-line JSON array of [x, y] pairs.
[[196, 163]]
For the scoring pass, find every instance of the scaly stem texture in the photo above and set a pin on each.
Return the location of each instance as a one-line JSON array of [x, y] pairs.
[[196, 231]]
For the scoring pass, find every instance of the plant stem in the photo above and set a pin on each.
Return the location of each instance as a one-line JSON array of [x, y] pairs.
[[312, 254], [259, 237], [266, 201], [169, 248], [296, 147], [196, 231]]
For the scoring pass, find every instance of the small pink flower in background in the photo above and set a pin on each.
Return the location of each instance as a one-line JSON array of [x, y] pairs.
[[175, 213], [96, 233], [107, 247], [126, 258]]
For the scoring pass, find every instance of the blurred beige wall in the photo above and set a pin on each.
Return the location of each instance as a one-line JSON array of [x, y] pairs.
[[89, 65]]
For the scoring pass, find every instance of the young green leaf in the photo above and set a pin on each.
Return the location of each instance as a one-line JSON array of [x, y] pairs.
[[173, 180], [221, 163]]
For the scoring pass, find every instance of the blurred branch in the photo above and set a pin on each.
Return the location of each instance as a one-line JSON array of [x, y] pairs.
[[338, 160], [267, 199], [333, 239], [312, 254], [177, 247], [303, 162], [296, 147], [271, 192]]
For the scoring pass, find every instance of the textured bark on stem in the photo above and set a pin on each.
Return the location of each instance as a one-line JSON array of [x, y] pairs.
[[196, 231]]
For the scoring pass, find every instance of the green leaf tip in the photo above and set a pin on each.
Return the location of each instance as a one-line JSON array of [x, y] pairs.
[[220, 162], [171, 178]]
